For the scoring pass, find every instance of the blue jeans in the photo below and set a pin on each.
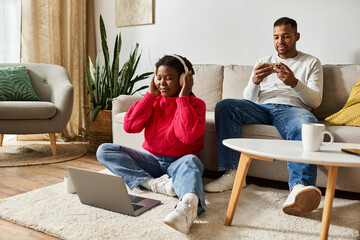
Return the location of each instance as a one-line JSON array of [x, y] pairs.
[[136, 167], [231, 114]]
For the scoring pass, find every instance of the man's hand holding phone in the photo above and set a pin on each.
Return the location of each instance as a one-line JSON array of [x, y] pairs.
[[285, 74], [261, 71]]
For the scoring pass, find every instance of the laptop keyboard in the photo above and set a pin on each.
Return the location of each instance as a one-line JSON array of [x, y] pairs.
[[135, 199]]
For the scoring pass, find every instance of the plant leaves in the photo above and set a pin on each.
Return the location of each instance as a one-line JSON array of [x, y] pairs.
[[109, 81]]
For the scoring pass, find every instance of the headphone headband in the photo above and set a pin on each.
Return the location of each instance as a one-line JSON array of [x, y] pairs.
[[181, 60]]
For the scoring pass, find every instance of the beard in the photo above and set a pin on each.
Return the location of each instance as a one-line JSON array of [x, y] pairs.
[[287, 50]]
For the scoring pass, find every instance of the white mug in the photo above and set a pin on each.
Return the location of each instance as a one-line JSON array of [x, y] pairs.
[[312, 135], [69, 185]]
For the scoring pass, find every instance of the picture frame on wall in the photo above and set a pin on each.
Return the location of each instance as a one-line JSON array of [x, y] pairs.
[[134, 12]]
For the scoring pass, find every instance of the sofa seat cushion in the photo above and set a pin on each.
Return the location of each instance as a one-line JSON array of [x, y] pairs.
[[347, 134], [249, 131], [26, 110], [260, 131], [341, 134]]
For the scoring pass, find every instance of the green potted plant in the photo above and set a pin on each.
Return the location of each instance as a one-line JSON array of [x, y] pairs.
[[107, 83]]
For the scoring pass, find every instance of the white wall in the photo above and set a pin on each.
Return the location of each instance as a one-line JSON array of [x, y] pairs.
[[238, 31]]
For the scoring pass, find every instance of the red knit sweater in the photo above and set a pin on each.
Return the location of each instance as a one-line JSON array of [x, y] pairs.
[[174, 126]]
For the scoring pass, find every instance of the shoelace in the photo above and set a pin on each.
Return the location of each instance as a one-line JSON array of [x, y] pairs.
[[160, 183]]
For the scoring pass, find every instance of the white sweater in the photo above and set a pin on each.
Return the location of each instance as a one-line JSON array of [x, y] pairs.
[[306, 94]]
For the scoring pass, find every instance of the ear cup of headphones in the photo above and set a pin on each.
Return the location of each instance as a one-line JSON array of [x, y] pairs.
[[182, 79]]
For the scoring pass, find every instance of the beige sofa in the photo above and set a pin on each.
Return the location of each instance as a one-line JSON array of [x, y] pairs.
[[216, 82]]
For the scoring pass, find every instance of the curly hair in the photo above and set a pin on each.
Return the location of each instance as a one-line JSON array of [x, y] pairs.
[[175, 63]]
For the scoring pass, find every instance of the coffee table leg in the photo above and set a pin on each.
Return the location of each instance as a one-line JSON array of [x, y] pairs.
[[329, 197], [241, 172]]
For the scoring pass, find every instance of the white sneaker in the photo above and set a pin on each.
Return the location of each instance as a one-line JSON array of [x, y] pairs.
[[182, 217], [224, 183], [163, 185], [302, 199]]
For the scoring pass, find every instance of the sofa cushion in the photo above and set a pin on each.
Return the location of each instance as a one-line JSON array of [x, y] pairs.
[[209, 153], [347, 134], [119, 118], [209, 89], [236, 78], [338, 82], [26, 110], [260, 131], [349, 115], [15, 85]]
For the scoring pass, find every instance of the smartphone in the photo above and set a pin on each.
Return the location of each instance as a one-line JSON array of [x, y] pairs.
[[355, 151], [275, 65]]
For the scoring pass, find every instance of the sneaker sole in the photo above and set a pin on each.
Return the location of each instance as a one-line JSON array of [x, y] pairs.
[[174, 227], [306, 201]]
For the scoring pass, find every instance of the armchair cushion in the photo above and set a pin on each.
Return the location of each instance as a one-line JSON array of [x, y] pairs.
[[15, 85], [27, 110]]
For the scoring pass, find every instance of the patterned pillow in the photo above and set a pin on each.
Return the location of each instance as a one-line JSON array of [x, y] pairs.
[[349, 115], [15, 85]]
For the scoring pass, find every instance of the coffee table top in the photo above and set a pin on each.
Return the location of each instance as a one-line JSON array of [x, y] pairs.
[[287, 150]]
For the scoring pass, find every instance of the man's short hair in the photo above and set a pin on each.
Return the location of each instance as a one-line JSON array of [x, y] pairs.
[[286, 21]]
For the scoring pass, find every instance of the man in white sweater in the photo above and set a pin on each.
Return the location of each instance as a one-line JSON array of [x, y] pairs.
[[282, 90]]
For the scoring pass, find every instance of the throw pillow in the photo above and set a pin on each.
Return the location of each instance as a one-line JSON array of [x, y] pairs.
[[349, 115], [15, 85]]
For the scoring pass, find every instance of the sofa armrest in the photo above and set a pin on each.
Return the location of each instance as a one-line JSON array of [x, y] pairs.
[[122, 103]]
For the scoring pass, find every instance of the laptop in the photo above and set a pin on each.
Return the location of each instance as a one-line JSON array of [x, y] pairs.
[[108, 192]]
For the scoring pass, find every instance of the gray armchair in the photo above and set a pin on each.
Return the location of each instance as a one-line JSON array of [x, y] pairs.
[[50, 114]]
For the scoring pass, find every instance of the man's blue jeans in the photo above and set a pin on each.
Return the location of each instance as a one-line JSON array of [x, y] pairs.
[[137, 167], [231, 114]]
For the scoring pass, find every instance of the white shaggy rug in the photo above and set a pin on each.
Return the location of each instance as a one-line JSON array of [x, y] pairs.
[[258, 216]]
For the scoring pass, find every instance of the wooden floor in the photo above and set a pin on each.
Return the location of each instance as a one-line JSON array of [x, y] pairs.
[[17, 180]]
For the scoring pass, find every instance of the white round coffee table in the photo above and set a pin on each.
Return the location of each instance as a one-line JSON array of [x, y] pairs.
[[331, 157]]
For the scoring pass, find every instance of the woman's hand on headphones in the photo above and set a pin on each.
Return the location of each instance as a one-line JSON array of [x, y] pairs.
[[187, 82], [152, 87]]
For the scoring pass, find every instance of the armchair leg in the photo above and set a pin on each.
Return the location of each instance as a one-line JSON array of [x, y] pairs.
[[1, 139], [53, 143]]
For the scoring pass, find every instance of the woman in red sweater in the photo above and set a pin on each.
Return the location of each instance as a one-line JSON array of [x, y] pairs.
[[174, 123]]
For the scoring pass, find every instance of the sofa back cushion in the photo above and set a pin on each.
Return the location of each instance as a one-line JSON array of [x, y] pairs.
[[338, 82], [45, 79], [215, 82], [208, 81], [236, 78]]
